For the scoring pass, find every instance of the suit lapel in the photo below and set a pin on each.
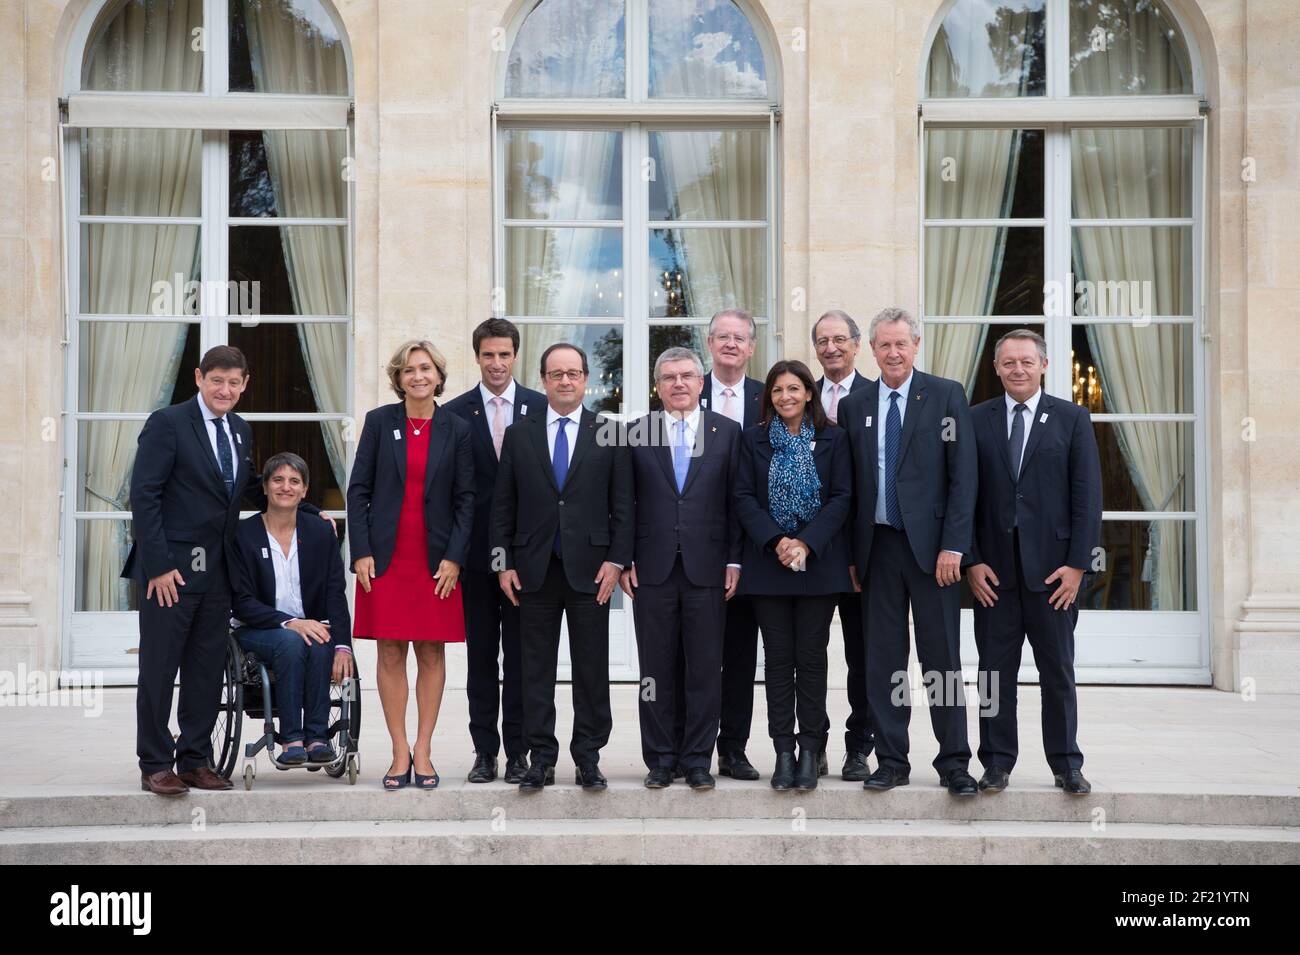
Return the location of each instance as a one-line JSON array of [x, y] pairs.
[[480, 418], [395, 435], [872, 407], [1036, 430], [438, 429], [661, 442], [200, 426], [996, 427], [585, 437], [705, 438], [538, 433], [915, 406]]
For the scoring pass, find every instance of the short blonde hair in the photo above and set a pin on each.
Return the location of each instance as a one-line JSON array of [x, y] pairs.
[[402, 357]]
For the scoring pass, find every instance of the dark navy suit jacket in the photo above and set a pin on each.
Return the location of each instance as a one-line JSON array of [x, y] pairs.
[[753, 398]]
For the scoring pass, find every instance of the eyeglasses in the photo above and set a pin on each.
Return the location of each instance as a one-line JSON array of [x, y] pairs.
[[839, 341], [686, 378], [728, 339], [572, 374]]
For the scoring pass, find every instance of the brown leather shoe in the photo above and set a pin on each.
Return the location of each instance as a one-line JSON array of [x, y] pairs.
[[163, 783], [204, 778]]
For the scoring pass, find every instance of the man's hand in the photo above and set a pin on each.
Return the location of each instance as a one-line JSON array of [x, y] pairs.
[[365, 571], [309, 630], [1070, 578], [980, 576], [853, 576], [447, 575], [334, 527], [627, 580], [509, 581], [733, 581], [165, 586], [342, 666], [607, 577], [947, 569]]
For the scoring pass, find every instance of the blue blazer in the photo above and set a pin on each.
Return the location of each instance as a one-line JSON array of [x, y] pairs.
[[320, 568], [378, 483], [469, 407], [761, 573]]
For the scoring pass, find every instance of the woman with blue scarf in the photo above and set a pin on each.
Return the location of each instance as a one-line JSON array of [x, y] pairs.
[[793, 491]]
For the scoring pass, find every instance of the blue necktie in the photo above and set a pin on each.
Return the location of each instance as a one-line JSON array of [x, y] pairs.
[[223, 458], [681, 457], [893, 438], [560, 465]]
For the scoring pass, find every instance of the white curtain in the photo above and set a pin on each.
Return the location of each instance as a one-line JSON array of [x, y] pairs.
[[131, 366], [567, 48], [306, 168], [1138, 56]]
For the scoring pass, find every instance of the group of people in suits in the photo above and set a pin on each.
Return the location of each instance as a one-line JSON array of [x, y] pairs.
[[739, 507]]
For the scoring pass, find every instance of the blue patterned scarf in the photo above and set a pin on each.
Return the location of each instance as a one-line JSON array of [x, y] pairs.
[[793, 487]]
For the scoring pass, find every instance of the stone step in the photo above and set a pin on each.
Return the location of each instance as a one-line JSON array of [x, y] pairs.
[[299, 798], [620, 840]]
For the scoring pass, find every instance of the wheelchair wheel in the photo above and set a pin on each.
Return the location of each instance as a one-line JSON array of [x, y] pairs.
[[345, 740], [230, 713]]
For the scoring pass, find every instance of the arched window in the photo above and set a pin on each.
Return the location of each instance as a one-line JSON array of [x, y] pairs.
[[208, 202], [1062, 192]]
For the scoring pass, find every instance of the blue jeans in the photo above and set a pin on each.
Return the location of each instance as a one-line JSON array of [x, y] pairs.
[[302, 679]]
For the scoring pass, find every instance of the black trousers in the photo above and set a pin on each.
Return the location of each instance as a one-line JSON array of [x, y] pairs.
[[492, 626], [541, 612], [796, 631], [1000, 633], [188, 638], [895, 581], [739, 664], [858, 735], [679, 624]]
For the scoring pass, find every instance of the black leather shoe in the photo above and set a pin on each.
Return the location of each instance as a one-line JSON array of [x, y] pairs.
[[994, 780], [658, 778], [589, 777], [959, 783], [805, 775], [484, 769], [699, 779], [885, 778], [737, 766], [1073, 783], [538, 775], [855, 768], [516, 767], [783, 775], [823, 766]]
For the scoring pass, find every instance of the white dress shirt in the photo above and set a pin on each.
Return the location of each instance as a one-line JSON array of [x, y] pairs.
[[570, 429], [1031, 409], [288, 581], [508, 410], [210, 420], [882, 414], [718, 399], [828, 386]]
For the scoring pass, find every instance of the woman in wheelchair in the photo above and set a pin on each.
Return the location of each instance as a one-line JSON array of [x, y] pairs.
[[291, 609]]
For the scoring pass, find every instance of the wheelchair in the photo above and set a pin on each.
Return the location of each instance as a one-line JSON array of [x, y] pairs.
[[246, 689]]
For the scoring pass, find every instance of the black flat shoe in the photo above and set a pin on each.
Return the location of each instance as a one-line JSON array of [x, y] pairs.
[[806, 773], [590, 778], [1073, 783], [658, 778], [783, 775], [959, 783], [484, 769], [737, 766], [538, 775], [885, 778], [699, 779], [994, 780], [855, 768], [516, 766]]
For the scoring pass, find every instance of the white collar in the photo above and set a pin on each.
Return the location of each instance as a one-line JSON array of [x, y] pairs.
[[692, 420], [208, 413], [275, 545], [846, 384], [902, 389], [738, 389], [1031, 404], [508, 394], [553, 416]]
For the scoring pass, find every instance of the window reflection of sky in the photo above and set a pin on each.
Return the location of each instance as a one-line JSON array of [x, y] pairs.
[[568, 48], [704, 48], [970, 28]]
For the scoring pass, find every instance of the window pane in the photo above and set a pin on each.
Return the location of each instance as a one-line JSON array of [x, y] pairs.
[[294, 368], [102, 547], [105, 454], [285, 46], [288, 270], [1131, 173], [296, 173], [1127, 369], [140, 269], [320, 444], [569, 273], [604, 347], [1132, 270], [1149, 565], [984, 173], [697, 272], [695, 337], [964, 353], [704, 48], [713, 176], [1146, 465], [563, 174], [129, 366], [983, 270], [145, 45], [1122, 47], [140, 172], [994, 48], [569, 48]]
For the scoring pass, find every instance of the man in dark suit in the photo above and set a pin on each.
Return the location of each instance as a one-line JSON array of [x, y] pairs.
[[193, 466], [836, 339], [686, 565], [915, 474], [492, 621], [562, 518], [728, 391], [1037, 520]]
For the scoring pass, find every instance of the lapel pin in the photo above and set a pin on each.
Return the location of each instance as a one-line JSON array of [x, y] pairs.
[[239, 438], [714, 428], [1043, 418], [705, 402], [476, 412], [266, 555], [868, 424], [812, 445], [523, 409], [397, 434]]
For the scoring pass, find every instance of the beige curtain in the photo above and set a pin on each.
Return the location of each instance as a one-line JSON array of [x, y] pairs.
[[306, 169], [1138, 56], [131, 366]]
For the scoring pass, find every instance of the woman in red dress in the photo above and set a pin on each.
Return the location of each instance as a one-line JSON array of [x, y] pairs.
[[410, 509]]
